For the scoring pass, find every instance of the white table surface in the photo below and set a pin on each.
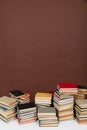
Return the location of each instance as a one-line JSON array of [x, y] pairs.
[[64, 125]]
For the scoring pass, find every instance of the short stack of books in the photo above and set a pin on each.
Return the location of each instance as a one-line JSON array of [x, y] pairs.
[[81, 111], [26, 113], [7, 108], [43, 99], [63, 100], [21, 97], [82, 92], [47, 116]]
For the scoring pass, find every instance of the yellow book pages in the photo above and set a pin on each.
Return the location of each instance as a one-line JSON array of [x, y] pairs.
[[43, 95]]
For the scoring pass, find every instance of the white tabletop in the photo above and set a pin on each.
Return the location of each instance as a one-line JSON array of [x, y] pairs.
[[64, 125]]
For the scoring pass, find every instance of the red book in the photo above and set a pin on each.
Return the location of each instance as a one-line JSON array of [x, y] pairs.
[[66, 86]]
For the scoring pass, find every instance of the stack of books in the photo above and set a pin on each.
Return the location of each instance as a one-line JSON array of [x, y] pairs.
[[47, 116], [82, 92], [43, 99], [7, 108], [26, 113], [81, 111], [63, 100], [21, 97]]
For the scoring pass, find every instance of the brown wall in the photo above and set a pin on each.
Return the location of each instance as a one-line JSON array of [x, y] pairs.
[[42, 43]]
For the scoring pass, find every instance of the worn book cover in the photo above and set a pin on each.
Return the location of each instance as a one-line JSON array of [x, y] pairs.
[[7, 101]]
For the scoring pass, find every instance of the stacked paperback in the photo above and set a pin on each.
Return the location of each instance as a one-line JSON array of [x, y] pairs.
[[47, 116], [21, 97], [81, 111], [43, 99], [7, 108], [26, 113], [82, 92], [63, 100]]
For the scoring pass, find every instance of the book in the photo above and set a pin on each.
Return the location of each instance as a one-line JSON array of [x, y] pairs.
[[66, 86], [47, 111], [26, 107], [81, 87], [79, 110], [69, 117], [81, 103], [7, 101], [63, 107], [8, 119], [16, 93], [6, 112], [26, 121], [65, 113], [43, 95], [49, 125], [81, 121]]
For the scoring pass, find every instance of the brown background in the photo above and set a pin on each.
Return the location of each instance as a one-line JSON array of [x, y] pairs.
[[42, 43]]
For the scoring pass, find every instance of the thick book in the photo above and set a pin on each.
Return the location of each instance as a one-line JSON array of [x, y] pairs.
[[81, 103], [81, 87], [26, 106], [8, 119], [48, 125], [16, 93], [6, 112], [43, 95], [65, 113], [7, 101], [69, 117], [47, 111], [30, 120], [81, 121], [67, 87], [79, 111], [63, 107]]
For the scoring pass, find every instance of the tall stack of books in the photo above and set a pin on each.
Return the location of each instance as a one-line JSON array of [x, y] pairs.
[[43, 99], [21, 97], [7, 108], [63, 100], [47, 116], [81, 111], [82, 92], [26, 113]]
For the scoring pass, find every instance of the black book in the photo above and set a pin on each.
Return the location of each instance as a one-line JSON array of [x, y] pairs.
[[16, 93], [81, 87], [22, 107]]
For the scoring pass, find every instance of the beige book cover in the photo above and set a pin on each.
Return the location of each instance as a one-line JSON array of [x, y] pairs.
[[79, 111], [63, 107], [7, 101], [48, 121], [81, 117], [65, 113], [7, 119], [81, 103], [49, 125], [46, 111], [7, 112], [25, 122], [43, 95], [9, 116], [70, 117], [46, 116]]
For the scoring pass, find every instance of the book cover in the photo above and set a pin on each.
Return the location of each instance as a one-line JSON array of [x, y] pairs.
[[7, 101], [66, 86], [16, 93]]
